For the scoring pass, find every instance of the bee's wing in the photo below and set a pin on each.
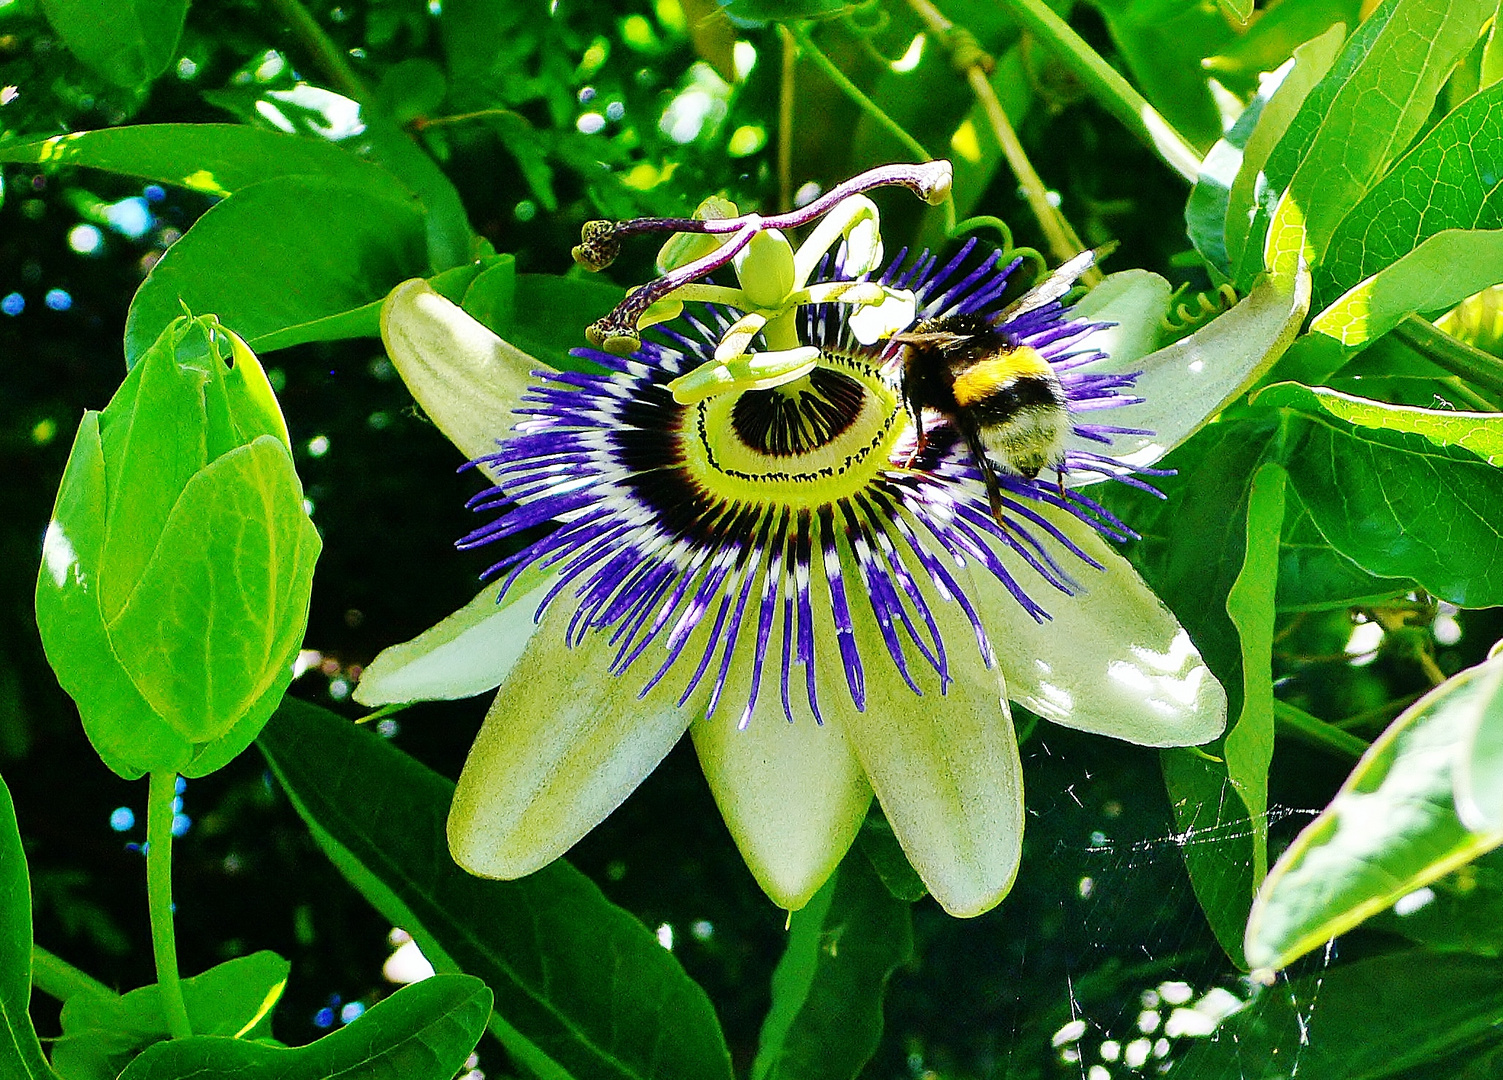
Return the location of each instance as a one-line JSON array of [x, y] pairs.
[[1056, 284], [941, 338]]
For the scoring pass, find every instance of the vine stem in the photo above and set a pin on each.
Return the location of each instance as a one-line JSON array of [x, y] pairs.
[[1061, 238], [1314, 731], [56, 977], [160, 794], [1110, 89], [785, 120], [1467, 361], [327, 55], [868, 106]]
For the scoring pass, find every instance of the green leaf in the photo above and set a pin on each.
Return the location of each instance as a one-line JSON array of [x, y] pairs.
[[1402, 492], [492, 296], [1460, 912], [1361, 116], [1275, 35], [1375, 1018], [1479, 765], [1194, 543], [449, 238], [20, 1052], [365, 321], [1163, 42], [422, 1032], [198, 629], [1442, 271], [128, 42], [1392, 828], [581, 987], [411, 88], [217, 159], [1481, 433], [1311, 62], [1448, 181], [1220, 861], [279, 254], [826, 1015], [1248, 747], [177, 566], [1206, 209], [549, 314], [888, 859], [1314, 576], [102, 1033], [761, 12]]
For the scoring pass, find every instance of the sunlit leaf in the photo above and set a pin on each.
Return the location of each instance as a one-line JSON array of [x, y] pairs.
[[1391, 829], [101, 1034], [1376, 492], [1442, 271], [1362, 115], [216, 159], [20, 1052], [1311, 61], [279, 254], [1248, 747], [1449, 181]]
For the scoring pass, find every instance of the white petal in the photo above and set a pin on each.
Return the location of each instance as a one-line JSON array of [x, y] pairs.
[[1134, 301], [945, 766], [1112, 659], [564, 744], [468, 653], [466, 378], [793, 795], [871, 323], [1184, 385]]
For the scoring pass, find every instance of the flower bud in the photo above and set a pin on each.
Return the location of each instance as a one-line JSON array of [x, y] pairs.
[[177, 566]]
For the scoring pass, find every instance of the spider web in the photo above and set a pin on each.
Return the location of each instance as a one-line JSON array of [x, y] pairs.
[[1100, 965]]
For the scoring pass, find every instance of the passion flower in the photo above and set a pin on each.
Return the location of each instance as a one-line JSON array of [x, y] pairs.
[[744, 544]]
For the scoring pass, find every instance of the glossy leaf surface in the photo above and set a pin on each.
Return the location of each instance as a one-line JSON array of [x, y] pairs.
[[20, 1052], [1392, 828], [306, 248]]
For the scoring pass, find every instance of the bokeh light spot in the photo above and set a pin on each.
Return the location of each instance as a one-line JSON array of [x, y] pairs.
[[85, 239]]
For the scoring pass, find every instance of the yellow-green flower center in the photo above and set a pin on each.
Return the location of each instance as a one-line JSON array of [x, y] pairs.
[[816, 440]]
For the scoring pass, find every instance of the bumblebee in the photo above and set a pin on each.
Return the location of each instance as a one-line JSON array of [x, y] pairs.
[[1003, 398]]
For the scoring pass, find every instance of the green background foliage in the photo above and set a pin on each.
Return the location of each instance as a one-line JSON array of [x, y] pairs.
[[1331, 542]]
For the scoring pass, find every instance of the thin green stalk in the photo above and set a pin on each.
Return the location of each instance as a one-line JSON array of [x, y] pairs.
[[854, 92], [1470, 363], [966, 53], [329, 57], [1316, 732], [60, 979], [1111, 90], [785, 120], [867, 105], [160, 793]]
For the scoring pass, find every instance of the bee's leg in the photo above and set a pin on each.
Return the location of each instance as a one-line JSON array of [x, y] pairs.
[[988, 471], [920, 437], [1059, 475], [993, 490]]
